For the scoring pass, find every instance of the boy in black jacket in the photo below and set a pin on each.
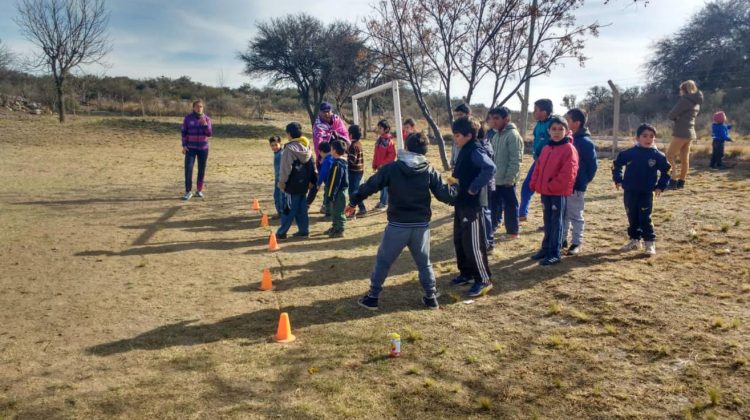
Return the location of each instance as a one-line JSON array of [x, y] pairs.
[[641, 185], [336, 187], [473, 169], [409, 180]]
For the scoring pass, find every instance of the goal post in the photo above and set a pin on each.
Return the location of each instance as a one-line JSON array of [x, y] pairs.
[[393, 85]]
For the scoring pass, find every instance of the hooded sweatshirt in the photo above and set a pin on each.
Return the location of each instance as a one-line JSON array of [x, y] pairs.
[[641, 167], [296, 150], [508, 146], [385, 151], [683, 114], [587, 164], [409, 180]]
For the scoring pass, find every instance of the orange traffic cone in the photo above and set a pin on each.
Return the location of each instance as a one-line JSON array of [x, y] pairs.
[[272, 244], [266, 283], [284, 331], [256, 204], [264, 220]]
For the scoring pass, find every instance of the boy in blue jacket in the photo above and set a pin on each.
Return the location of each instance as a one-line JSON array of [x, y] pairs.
[[587, 167], [642, 163], [542, 112], [720, 134], [337, 186], [325, 154]]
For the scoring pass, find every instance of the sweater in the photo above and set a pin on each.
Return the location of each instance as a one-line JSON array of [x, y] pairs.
[[641, 167], [683, 114], [385, 151], [356, 157], [556, 169], [587, 164], [410, 180], [508, 146], [196, 129]]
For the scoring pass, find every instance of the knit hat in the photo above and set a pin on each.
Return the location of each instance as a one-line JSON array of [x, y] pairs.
[[720, 117], [325, 106]]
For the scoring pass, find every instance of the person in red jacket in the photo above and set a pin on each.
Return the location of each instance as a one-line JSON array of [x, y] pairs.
[[554, 177], [385, 152]]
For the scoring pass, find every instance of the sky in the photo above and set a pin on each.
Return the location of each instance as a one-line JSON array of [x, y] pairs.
[[169, 38]]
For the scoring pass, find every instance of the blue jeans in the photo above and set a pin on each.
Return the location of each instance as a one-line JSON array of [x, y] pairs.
[[554, 212], [190, 157], [394, 241], [384, 196], [277, 199], [294, 210], [355, 179], [526, 193], [504, 200]]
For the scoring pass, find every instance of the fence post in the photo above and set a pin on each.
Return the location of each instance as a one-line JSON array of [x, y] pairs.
[[615, 116]]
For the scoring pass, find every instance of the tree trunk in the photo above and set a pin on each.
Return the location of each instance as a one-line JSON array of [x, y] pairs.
[[60, 99]]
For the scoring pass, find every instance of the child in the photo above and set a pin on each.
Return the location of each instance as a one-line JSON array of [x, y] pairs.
[[720, 134], [296, 175], [356, 164], [275, 143], [461, 111], [410, 179], [336, 187], [642, 162], [484, 141], [508, 146], [325, 154], [553, 177], [409, 127], [385, 152], [587, 167], [542, 112], [474, 169], [196, 129]]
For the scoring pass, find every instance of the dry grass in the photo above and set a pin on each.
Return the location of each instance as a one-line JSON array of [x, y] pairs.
[[121, 301]]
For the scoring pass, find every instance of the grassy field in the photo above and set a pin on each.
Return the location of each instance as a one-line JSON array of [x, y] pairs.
[[119, 300]]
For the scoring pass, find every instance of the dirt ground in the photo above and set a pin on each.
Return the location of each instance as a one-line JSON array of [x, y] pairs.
[[119, 300]]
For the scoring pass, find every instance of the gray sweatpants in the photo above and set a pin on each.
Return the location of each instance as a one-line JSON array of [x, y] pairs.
[[574, 217], [395, 239]]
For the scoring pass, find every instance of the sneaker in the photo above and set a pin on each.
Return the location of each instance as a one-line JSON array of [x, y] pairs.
[[281, 236], [328, 231], [631, 245], [522, 218], [301, 235], [650, 248], [540, 255], [368, 302], [565, 244], [431, 302], [574, 249], [188, 195], [336, 234], [362, 213], [199, 194], [677, 185], [460, 281], [509, 236], [381, 206], [479, 289], [549, 261]]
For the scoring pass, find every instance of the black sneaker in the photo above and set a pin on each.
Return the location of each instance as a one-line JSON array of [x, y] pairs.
[[281, 236], [460, 281], [574, 249], [565, 243], [328, 231], [677, 185], [368, 302], [549, 261], [301, 235], [362, 213], [541, 254], [431, 302], [336, 234]]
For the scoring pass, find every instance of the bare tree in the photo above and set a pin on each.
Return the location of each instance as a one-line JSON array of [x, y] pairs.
[[6, 57], [69, 33]]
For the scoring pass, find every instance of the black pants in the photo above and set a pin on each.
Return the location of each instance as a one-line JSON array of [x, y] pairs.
[[717, 154], [190, 157], [638, 205], [471, 246], [504, 200], [554, 214]]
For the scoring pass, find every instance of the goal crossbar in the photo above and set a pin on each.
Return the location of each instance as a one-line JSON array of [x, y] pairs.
[[393, 85]]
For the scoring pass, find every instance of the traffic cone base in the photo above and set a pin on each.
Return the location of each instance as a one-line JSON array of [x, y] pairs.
[[266, 284], [284, 331], [273, 245]]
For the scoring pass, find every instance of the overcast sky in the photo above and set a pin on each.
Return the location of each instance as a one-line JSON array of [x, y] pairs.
[[169, 38]]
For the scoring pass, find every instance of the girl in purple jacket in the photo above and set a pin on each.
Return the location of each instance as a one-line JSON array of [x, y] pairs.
[[196, 129]]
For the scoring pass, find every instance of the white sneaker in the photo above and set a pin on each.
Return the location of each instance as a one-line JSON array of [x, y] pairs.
[[188, 195], [650, 248], [199, 194], [631, 245]]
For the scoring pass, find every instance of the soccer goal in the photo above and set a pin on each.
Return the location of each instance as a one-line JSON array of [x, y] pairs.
[[396, 107]]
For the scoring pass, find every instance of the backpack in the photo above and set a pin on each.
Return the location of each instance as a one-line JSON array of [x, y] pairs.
[[301, 176]]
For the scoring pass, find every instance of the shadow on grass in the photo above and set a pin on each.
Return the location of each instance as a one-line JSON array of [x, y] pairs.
[[86, 201], [253, 131]]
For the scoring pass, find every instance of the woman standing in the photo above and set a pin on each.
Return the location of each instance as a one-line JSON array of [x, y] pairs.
[[683, 114], [196, 129]]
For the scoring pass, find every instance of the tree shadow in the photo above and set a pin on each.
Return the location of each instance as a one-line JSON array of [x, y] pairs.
[[233, 130], [239, 222], [211, 245], [86, 201]]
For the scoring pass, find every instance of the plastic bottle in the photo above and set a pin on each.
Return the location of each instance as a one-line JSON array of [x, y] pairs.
[[395, 341]]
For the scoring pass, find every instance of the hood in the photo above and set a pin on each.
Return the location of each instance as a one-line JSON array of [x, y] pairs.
[[696, 98], [303, 140], [411, 163], [299, 150], [583, 132], [510, 126], [387, 136]]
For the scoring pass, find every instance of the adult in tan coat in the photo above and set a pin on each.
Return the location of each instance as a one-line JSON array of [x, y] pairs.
[[683, 114]]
